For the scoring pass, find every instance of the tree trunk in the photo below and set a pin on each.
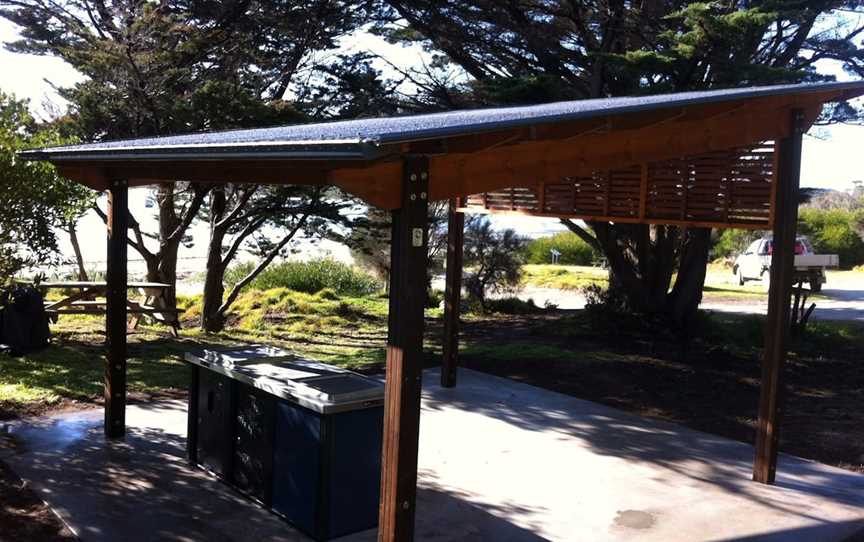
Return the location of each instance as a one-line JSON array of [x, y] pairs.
[[79, 259], [212, 319], [643, 259], [686, 295], [169, 244]]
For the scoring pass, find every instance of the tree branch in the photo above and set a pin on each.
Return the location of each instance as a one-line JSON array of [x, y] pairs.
[[582, 233], [235, 212], [238, 240], [235, 291], [190, 213]]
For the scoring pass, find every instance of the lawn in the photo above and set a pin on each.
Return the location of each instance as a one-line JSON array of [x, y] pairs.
[[709, 382], [720, 283]]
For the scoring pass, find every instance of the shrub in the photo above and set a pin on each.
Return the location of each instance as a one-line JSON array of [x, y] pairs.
[[732, 242], [496, 258], [330, 276], [832, 231], [512, 305], [574, 251]]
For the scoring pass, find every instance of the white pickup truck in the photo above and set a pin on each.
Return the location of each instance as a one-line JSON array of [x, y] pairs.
[[755, 262]]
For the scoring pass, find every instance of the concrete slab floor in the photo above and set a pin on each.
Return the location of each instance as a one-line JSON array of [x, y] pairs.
[[499, 460]]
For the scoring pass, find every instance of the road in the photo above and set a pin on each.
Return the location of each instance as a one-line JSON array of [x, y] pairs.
[[845, 293]]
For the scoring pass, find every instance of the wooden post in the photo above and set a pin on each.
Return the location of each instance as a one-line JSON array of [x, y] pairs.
[[404, 356], [452, 295], [115, 319], [782, 272]]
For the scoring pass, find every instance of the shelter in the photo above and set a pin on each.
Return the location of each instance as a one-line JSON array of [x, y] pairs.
[[726, 158]]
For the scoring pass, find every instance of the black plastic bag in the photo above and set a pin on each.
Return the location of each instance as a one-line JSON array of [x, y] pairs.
[[23, 321]]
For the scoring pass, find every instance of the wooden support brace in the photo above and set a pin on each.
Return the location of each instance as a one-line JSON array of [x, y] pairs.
[[452, 294], [787, 178], [115, 314], [404, 356]]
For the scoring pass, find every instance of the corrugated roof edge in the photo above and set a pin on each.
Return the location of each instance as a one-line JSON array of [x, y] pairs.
[[368, 148], [711, 96], [297, 150]]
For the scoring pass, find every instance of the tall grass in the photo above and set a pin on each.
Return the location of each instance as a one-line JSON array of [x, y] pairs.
[[310, 277]]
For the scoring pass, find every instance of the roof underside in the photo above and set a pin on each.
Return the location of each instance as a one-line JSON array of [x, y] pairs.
[[470, 151]]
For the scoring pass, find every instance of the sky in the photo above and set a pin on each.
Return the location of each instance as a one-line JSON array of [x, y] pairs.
[[832, 156]]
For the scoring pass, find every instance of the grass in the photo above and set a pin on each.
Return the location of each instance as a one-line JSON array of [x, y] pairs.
[[345, 331], [720, 284], [563, 277]]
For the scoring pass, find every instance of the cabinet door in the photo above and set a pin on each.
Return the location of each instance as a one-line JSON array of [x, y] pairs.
[[215, 422], [297, 468], [253, 450], [354, 477]]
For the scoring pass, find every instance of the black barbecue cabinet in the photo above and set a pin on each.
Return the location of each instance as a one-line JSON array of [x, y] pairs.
[[300, 437]]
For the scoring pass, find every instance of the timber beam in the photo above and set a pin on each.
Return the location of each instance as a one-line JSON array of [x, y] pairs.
[[408, 252], [115, 314], [779, 300], [452, 294]]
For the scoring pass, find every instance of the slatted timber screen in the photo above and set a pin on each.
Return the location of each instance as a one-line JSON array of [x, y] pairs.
[[729, 188]]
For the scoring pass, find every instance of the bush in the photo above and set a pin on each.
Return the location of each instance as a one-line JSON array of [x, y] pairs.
[[732, 242], [327, 275], [832, 231], [496, 258], [574, 251], [512, 305]]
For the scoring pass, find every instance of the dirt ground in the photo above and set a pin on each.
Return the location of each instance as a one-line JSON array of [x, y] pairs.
[[24, 516]]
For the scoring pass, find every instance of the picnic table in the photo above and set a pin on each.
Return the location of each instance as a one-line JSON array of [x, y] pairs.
[[85, 301]]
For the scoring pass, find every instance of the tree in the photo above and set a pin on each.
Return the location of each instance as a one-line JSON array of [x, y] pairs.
[[370, 234], [34, 198], [530, 52], [179, 66], [269, 216], [495, 259]]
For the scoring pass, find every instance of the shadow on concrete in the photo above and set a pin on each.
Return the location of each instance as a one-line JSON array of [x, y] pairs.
[[802, 534], [141, 488], [701, 457]]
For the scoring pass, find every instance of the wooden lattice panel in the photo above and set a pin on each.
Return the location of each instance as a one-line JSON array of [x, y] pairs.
[[730, 188]]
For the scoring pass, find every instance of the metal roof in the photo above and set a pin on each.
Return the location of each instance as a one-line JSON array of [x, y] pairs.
[[364, 138]]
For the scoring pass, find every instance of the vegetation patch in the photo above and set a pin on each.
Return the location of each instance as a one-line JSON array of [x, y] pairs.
[[309, 277], [561, 277], [572, 250]]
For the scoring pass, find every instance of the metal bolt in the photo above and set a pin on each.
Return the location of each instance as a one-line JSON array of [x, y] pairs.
[[413, 197], [422, 195], [424, 175], [406, 505], [413, 177]]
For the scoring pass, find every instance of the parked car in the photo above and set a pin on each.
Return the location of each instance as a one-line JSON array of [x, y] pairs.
[[755, 262]]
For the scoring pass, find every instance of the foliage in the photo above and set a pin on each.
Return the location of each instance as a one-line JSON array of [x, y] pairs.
[[494, 259], [730, 242], [512, 305], [265, 220], [574, 251], [177, 67], [34, 197], [530, 52], [833, 231], [370, 233], [309, 277]]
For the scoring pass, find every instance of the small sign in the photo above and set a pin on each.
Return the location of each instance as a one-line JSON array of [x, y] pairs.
[[417, 237]]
